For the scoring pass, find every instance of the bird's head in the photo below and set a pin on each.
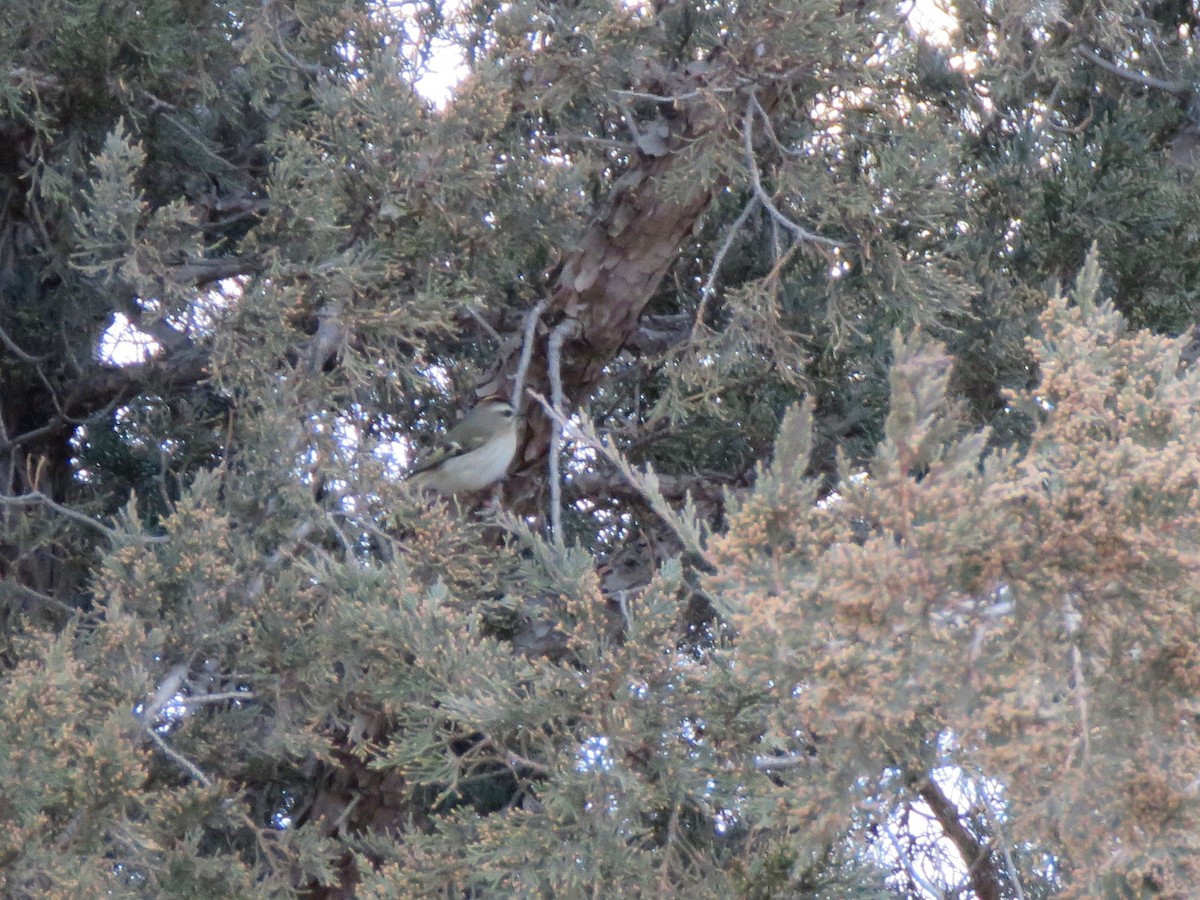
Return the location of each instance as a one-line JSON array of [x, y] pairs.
[[496, 406]]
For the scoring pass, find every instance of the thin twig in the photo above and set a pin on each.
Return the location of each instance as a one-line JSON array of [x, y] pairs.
[[531, 320], [776, 241], [512, 759], [658, 98], [385, 545], [168, 692], [769, 129], [710, 283], [608, 143], [630, 122], [200, 699], [664, 875], [296, 537], [38, 597], [554, 366], [1075, 129], [645, 483], [799, 232], [61, 416], [1014, 877], [484, 324], [309, 69], [781, 763], [53, 426], [905, 860], [16, 349], [351, 559], [1081, 692], [178, 758], [166, 110]]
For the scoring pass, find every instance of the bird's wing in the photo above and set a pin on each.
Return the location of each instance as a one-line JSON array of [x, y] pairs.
[[450, 447]]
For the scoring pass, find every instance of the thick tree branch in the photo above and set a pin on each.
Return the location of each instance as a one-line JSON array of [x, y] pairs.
[[657, 334], [37, 498], [982, 870], [606, 281], [205, 271], [1173, 87], [100, 385]]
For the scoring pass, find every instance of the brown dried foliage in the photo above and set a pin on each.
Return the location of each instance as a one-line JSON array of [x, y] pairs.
[[1030, 617]]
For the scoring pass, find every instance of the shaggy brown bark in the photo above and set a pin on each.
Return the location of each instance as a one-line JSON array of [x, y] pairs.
[[603, 285], [606, 282]]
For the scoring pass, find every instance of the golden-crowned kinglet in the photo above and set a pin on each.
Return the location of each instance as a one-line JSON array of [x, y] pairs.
[[474, 454]]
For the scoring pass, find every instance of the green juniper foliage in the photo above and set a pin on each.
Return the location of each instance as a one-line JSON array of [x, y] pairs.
[[870, 571]]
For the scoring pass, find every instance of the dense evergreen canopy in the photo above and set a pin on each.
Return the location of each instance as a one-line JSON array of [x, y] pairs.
[[850, 546]]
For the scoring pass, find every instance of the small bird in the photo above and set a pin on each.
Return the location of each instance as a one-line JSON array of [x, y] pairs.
[[474, 454]]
